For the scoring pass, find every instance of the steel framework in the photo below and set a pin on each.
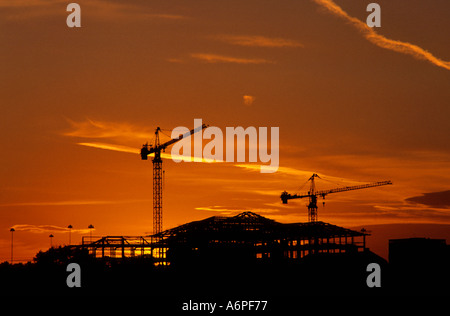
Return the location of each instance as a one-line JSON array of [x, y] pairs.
[[247, 236]]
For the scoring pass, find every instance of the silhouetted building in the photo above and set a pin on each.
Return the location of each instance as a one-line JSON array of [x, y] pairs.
[[416, 251], [419, 264], [240, 238], [249, 236]]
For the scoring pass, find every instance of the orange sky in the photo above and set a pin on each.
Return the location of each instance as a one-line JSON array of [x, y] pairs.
[[352, 104]]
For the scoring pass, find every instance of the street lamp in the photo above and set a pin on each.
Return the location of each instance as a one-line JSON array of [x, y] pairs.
[[70, 232], [12, 230], [51, 237], [90, 232]]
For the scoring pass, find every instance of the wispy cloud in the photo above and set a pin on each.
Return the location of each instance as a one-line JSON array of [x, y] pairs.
[[113, 147], [132, 150], [102, 129], [223, 210], [117, 132], [166, 16], [128, 10], [38, 229], [104, 9], [233, 210], [410, 212], [175, 60], [74, 202], [285, 170], [432, 199], [248, 99], [293, 172], [381, 41], [258, 41], [214, 58]]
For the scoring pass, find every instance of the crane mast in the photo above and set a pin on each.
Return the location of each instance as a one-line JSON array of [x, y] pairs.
[[313, 194], [157, 187], [158, 171], [312, 206]]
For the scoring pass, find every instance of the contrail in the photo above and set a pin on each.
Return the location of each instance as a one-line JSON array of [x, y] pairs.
[[380, 40], [114, 147], [131, 150]]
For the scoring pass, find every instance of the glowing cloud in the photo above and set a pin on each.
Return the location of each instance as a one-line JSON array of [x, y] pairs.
[[213, 58], [381, 41], [47, 228], [248, 99], [224, 210], [132, 150], [113, 147], [102, 129], [259, 41], [284, 170], [229, 210]]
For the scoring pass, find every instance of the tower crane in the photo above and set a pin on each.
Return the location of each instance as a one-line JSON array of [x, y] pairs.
[[157, 171], [313, 194]]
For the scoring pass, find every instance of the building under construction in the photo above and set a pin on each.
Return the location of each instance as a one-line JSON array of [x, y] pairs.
[[242, 238]]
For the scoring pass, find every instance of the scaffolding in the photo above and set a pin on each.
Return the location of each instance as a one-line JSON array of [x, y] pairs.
[[119, 247]]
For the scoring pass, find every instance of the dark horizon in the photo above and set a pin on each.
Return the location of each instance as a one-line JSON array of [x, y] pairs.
[[212, 254]]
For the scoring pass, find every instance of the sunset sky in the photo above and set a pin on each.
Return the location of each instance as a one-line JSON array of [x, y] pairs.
[[353, 104]]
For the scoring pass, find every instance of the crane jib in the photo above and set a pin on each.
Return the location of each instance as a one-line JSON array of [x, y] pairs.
[[313, 194], [355, 187], [172, 141]]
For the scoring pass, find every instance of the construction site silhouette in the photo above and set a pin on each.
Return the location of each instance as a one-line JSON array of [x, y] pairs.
[[243, 254]]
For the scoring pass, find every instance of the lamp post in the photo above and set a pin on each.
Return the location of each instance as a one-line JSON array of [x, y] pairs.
[[51, 243], [70, 233], [12, 230], [90, 232]]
